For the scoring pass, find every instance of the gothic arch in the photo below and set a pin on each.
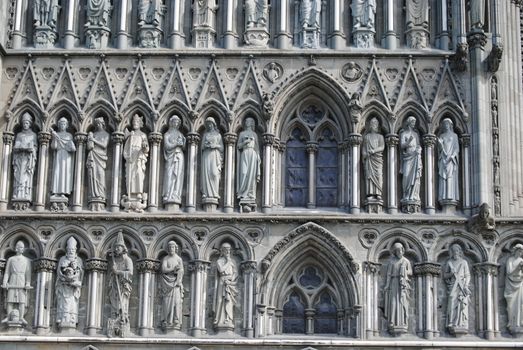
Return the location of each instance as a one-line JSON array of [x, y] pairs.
[[94, 110], [179, 235], [508, 240], [132, 239], [30, 107], [248, 109], [464, 237], [58, 110], [58, 241], [222, 234], [416, 109], [449, 109], [378, 110], [170, 109], [213, 108], [327, 124], [413, 246], [20, 231], [141, 108]]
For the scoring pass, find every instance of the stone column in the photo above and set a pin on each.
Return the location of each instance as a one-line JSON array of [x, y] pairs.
[[337, 38], [312, 150], [268, 141], [123, 35], [249, 269], [230, 146], [70, 34], [44, 267], [355, 141], [271, 322], [279, 174], [443, 38], [284, 36], [390, 40], [118, 138], [3, 292], [309, 321], [429, 141], [370, 293], [427, 275], [96, 269], [485, 278], [230, 37], [80, 139], [147, 270], [176, 38], [8, 138], [261, 326], [155, 138], [342, 150], [459, 18], [43, 160], [392, 142], [465, 171], [193, 139], [198, 270], [18, 34]]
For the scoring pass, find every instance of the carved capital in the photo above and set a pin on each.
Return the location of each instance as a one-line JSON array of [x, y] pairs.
[[193, 138], [230, 138], [249, 266], [429, 140], [268, 139], [44, 138], [96, 265], [465, 140], [312, 147], [392, 140], [147, 265], [80, 137], [118, 137], [155, 138], [477, 39], [199, 266], [427, 268], [355, 139], [44, 265], [486, 268], [282, 147], [371, 267], [8, 138]]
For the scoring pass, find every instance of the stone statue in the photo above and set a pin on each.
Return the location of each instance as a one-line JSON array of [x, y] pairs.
[[171, 288], [25, 151], [135, 152], [256, 13], [212, 162], [120, 287], [372, 154], [173, 146], [45, 13], [96, 164], [514, 290], [483, 221], [448, 164], [248, 166], [477, 15], [363, 13], [397, 291], [310, 13], [225, 291], [456, 275], [205, 11], [17, 281], [63, 169], [98, 13], [69, 275], [151, 12], [417, 12], [411, 165]]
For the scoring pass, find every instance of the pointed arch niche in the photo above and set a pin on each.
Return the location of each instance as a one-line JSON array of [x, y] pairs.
[[308, 286]]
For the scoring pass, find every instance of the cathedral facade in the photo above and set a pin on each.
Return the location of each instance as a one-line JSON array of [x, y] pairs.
[[249, 174]]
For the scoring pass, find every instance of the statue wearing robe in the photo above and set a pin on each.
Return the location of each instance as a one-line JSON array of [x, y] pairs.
[[249, 163], [151, 12], [514, 289], [63, 167], [135, 152], [417, 13], [25, 150], [96, 162], [45, 13], [173, 146], [456, 275], [120, 282], [171, 288], [212, 161], [411, 165], [372, 152], [98, 13], [310, 13], [226, 290], [205, 12], [256, 13], [363, 12], [448, 163]]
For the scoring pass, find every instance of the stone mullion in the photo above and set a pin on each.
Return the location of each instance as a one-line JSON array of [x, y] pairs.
[[392, 163], [199, 270], [443, 27], [96, 269], [147, 277], [70, 34], [80, 139], [312, 151], [271, 323], [176, 36], [429, 141], [284, 36], [342, 201], [249, 275], [336, 36], [43, 161], [230, 143], [155, 139], [123, 35], [230, 37], [370, 290], [391, 38], [18, 34], [268, 141], [427, 275], [44, 267], [193, 140], [465, 142], [309, 321], [355, 141], [8, 138], [262, 327], [118, 138], [281, 166]]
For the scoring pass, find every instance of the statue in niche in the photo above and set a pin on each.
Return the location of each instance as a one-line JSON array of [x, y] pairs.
[[248, 166], [205, 11], [151, 12], [63, 169], [171, 288], [212, 162], [456, 275], [482, 222], [514, 290], [25, 151], [372, 154], [363, 13], [173, 146], [310, 11], [411, 165], [417, 12], [397, 291], [256, 13], [477, 15], [448, 164], [17, 281], [135, 153], [45, 13], [68, 287], [120, 287], [225, 291], [96, 164], [98, 13]]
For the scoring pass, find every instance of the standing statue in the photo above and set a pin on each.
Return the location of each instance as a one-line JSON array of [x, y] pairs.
[[45, 13], [173, 146], [225, 290], [98, 13], [411, 165], [171, 288], [212, 162], [514, 290], [151, 12], [397, 290], [363, 13], [63, 169], [448, 163], [205, 12], [256, 13], [120, 287], [25, 151], [69, 275], [456, 275], [96, 164], [17, 281], [417, 12], [310, 11], [372, 153], [248, 166]]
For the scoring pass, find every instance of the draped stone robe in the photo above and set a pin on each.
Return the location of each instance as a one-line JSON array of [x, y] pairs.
[[171, 290], [411, 165], [372, 151], [135, 152], [212, 162], [225, 292], [456, 274], [63, 168], [448, 166], [69, 275], [24, 160], [249, 165], [174, 143], [120, 287], [514, 292], [397, 291], [96, 163]]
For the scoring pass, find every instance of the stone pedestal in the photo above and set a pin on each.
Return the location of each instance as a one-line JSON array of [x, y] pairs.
[[363, 38], [448, 206], [517, 332], [374, 205], [97, 37], [417, 38], [458, 331], [21, 204], [210, 204], [310, 38], [118, 328], [172, 206], [59, 203], [15, 327], [247, 206], [397, 330], [44, 37], [97, 204], [410, 206], [134, 203], [256, 37], [150, 36], [223, 329], [203, 37]]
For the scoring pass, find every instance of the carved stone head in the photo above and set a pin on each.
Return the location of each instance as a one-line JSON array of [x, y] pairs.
[[398, 250], [27, 121], [20, 247], [62, 124]]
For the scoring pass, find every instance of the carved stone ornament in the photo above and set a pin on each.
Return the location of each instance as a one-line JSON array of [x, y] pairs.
[[351, 72], [483, 222], [273, 71], [367, 237], [226, 290], [171, 288]]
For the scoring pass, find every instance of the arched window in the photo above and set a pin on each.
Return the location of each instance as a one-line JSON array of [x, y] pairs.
[[297, 174], [327, 170]]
